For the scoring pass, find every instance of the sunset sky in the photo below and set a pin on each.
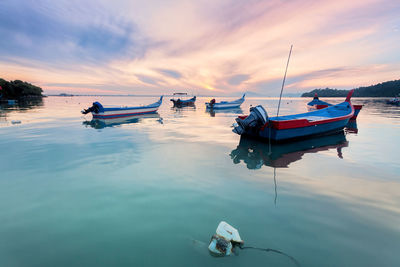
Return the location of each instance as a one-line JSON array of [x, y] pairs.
[[212, 47]]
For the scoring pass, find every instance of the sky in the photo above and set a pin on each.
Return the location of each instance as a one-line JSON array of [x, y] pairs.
[[206, 47]]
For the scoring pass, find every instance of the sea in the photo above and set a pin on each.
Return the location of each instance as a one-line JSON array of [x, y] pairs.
[[152, 190]]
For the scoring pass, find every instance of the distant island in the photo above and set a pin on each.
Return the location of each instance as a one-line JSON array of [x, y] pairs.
[[64, 94], [385, 89], [19, 90]]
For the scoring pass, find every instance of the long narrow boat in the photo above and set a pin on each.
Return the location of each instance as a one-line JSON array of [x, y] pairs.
[[225, 104], [183, 103], [112, 112], [298, 126], [316, 103]]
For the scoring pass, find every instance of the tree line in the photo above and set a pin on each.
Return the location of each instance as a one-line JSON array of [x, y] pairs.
[[385, 89], [18, 89]]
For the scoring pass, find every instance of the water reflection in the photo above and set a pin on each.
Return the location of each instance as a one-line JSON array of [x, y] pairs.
[[379, 107], [20, 105], [255, 154], [212, 112], [351, 127], [24, 104], [100, 124]]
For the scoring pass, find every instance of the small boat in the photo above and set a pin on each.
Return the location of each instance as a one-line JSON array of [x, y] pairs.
[[316, 103], [394, 101], [112, 112], [183, 103], [225, 104], [298, 126]]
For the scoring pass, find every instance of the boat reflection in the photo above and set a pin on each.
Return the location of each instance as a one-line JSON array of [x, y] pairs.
[[255, 154], [102, 123], [22, 104], [212, 112], [351, 127]]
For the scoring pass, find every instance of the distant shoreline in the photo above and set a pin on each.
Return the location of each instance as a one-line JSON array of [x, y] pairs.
[[385, 89]]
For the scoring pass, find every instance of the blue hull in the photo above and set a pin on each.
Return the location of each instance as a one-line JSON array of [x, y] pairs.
[[303, 132], [225, 104]]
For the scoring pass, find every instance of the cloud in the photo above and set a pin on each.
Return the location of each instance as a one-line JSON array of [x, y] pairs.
[[238, 79], [145, 47], [148, 79], [170, 73], [30, 31]]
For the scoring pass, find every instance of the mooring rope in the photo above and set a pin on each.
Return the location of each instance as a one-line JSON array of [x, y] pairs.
[[276, 251]]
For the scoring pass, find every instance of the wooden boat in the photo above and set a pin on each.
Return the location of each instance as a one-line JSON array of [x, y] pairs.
[[225, 104], [316, 103], [297, 126], [112, 112], [183, 103], [255, 154]]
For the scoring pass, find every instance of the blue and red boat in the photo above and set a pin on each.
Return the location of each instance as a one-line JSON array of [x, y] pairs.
[[113, 112], [298, 126], [316, 103]]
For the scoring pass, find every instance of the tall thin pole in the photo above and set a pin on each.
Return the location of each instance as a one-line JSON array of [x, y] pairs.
[[284, 79]]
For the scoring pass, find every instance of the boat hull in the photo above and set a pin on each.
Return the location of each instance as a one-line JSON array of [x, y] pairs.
[[123, 113], [225, 104], [105, 113], [222, 106], [284, 135], [183, 103]]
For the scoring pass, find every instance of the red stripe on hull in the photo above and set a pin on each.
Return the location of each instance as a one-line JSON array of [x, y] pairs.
[[291, 124]]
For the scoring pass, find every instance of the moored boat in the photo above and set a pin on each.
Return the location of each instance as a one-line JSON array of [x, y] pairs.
[[183, 103], [290, 127], [225, 104], [112, 112], [394, 101], [316, 104]]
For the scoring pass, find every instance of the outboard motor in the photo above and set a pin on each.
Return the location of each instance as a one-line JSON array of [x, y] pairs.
[[256, 119], [212, 102], [94, 108]]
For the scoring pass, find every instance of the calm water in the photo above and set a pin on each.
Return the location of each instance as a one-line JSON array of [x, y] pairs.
[[151, 192]]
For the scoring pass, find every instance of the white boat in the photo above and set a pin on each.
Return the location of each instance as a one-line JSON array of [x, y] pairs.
[[225, 104], [112, 112]]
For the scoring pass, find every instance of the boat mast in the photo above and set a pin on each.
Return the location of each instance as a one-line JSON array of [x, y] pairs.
[[284, 79]]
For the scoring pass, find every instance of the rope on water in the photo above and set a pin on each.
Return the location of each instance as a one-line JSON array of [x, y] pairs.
[[276, 251]]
